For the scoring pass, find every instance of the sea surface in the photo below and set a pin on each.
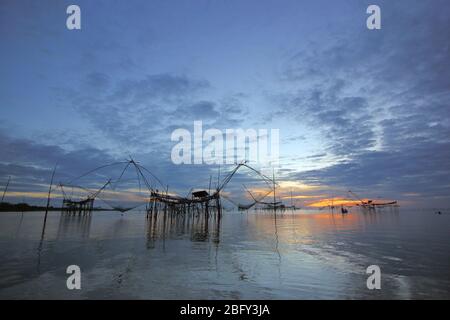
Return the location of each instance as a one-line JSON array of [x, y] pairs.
[[301, 254]]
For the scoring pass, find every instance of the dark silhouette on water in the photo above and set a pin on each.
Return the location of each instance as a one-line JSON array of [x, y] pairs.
[[83, 206], [370, 204], [23, 207], [6, 189], [199, 226], [45, 217]]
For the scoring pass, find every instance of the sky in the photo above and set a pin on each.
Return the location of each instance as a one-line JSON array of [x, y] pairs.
[[359, 109]]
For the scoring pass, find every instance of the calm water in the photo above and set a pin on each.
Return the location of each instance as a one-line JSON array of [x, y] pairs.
[[255, 255]]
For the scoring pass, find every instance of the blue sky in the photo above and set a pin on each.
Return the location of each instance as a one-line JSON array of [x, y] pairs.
[[357, 109]]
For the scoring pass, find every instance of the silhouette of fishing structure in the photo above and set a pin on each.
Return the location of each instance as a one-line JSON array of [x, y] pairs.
[[266, 205], [84, 206], [371, 204], [159, 199], [198, 201], [292, 206], [273, 205], [256, 200]]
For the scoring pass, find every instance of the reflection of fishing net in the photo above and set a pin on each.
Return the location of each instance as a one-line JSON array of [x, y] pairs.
[[121, 186]]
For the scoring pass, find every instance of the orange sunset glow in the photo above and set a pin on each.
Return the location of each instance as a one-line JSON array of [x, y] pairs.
[[335, 202]]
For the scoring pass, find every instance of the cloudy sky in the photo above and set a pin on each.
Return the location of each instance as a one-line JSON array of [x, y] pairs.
[[359, 109]]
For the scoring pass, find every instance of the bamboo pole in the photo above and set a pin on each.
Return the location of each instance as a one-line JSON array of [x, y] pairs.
[[274, 199], [6, 188], [48, 197]]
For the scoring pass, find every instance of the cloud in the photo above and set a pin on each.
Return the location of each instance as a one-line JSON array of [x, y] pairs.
[[423, 171], [374, 104], [31, 163], [134, 113], [198, 110], [346, 122], [97, 81], [164, 87], [380, 101]]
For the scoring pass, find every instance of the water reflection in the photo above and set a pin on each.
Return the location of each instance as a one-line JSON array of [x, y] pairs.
[[74, 226], [19, 225], [199, 226], [290, 254]]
